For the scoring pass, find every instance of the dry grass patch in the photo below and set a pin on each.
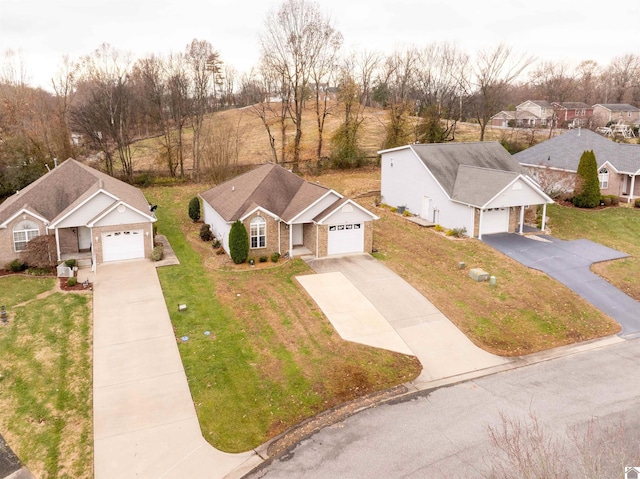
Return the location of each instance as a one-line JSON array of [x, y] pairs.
[[45, 379]]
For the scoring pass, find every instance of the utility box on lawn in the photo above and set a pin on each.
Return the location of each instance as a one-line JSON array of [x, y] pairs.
[[478, 274]]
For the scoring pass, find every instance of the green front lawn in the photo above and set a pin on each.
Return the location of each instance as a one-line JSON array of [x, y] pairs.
[[271, 359], [45, 378], [615, 227]]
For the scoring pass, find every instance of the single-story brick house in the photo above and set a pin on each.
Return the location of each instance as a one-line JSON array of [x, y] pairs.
[[554, 163], [287, 215], [90, 213]]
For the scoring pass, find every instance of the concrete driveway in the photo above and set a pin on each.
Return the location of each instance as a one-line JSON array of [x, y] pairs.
[[370, 304], [145, 423], [569, 262]]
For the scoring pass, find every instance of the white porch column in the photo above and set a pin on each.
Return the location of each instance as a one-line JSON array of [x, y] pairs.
[[521, 218], [290, 241], [480, 225], [57, 244], [633, 186], [544, 216]]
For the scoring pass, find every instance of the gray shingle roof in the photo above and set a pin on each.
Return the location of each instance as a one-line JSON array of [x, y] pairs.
[[564, 152], [492, 182], [269, 186], [63, 188], [618, 106], [444, 159]]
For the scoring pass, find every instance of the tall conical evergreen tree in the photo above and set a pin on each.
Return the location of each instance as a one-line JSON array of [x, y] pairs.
[[587, 190]]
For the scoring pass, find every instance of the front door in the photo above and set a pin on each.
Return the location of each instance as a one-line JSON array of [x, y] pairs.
[[84, 238], [298, 238]]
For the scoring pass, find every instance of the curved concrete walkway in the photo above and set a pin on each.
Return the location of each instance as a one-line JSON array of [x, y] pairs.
[[370, 304], [145, 423], [569, 262]]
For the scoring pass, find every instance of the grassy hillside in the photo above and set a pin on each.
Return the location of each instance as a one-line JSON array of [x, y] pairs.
[[250, 140]]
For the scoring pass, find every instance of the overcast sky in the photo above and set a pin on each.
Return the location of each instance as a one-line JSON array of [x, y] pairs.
[[554, 30]]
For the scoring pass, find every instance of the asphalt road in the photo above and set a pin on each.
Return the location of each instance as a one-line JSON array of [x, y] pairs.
[[569, 262], [444, 433]]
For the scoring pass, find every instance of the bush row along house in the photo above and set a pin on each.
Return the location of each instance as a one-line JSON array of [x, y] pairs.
[[541, 113]]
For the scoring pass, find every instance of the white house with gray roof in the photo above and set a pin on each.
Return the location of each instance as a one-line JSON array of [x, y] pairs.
[[476, 186], [618, 163]]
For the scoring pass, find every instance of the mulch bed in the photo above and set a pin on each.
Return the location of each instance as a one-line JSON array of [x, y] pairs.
[[77, 287]]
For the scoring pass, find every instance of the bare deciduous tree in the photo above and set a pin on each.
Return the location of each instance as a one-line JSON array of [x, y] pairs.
[[294, 38], [493, 72]]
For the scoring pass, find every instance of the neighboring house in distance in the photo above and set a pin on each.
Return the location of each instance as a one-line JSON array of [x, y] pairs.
[[477, 186], [558, 157], [540, 113], [285, 214], [572, 114], [89, 213], [615, 112]]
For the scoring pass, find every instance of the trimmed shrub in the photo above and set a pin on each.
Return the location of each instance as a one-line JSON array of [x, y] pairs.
[[438, 228], [275, 257], [71, 282], [158, 252], [194, 209], [216, 243], [406, 213], [606, 200], [457, 232], [238, 243], [637, 203], [263, 259], [16, 266], [205, 232], [70, 263], [587, 184]]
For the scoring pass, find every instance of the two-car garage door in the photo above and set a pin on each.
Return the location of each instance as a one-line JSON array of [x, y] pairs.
[[346, 238], [120, 245]]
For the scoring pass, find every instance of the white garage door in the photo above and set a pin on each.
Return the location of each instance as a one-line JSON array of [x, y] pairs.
[[119, 245], [347, 238], [495, 221]]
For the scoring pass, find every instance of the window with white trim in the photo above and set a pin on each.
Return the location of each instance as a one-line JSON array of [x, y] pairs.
[[603, 177], [258, 232], [24, 232]]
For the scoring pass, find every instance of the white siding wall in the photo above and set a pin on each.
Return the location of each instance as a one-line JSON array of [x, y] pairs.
[[339, 216], [219, 226], [315, 210], [88, 211], [518, 194], [116, 218], [408, 181]]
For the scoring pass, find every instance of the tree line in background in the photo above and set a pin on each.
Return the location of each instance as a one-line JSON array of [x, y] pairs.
[[111, 101]]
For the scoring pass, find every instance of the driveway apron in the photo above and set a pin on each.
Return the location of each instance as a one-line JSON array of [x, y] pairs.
[[569, 262], [360, 295], [145, 423]]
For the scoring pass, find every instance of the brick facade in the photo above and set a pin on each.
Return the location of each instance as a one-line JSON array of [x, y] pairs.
[[97, 231], [68, 240], [7, 249], [271, 240], [368, 236], [514, 219], [323, 240], [309, 237]]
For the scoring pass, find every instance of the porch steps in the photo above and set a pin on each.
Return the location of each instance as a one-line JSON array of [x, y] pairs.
[[84, 263]]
